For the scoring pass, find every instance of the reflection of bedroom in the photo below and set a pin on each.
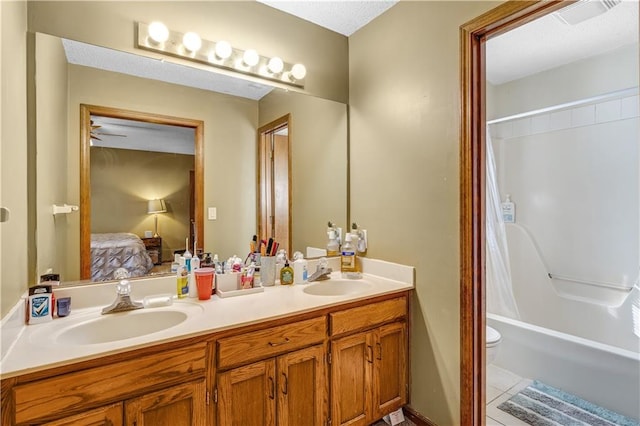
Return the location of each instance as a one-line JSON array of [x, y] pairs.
[[124, 180]]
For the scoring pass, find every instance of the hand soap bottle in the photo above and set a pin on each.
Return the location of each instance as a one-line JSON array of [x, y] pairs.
[[286, 274], [348, 265], [333, 247]]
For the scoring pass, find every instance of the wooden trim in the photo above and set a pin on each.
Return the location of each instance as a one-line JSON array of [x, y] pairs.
[[85, 172], [473, 36], [416, 417], [284, 121]]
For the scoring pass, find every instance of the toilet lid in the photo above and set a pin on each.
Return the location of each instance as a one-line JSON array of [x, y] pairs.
[[492, 335]]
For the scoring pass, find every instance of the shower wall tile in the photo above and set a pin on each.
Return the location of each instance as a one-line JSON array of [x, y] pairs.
[[522, 127], [560, 120], [608, 111], [630, 107], [540, 123], [583, 116], [503, 130]]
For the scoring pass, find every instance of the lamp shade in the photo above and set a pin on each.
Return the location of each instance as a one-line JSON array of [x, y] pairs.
[[156, 206]]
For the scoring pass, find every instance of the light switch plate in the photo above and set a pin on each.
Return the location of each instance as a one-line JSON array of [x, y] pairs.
[[213, 213]]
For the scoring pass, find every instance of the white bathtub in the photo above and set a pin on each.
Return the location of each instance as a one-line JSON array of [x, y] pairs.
[[603, 374]]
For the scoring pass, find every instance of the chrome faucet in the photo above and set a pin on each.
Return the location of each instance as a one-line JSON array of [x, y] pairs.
[[322, 271], [123, 300]]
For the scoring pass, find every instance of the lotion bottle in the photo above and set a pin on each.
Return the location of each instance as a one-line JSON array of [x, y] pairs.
[[299, 268]]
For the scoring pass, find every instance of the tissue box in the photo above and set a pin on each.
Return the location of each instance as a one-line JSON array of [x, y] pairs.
[[228, 282]]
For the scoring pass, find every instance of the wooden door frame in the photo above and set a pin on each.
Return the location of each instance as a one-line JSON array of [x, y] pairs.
[[284, 121], [86, 111], [473, 36]]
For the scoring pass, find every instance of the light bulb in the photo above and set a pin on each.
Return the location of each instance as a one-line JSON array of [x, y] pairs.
[[251, 57], [192, 42], [158, 32], [223, 49], [275, 65], [298, 71]]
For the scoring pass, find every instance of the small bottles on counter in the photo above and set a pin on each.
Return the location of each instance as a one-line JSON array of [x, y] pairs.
[[333, 247], [286, 274], [299, 268], [348, 265]]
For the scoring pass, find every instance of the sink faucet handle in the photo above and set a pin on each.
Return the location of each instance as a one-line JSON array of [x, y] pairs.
[[123, 288]]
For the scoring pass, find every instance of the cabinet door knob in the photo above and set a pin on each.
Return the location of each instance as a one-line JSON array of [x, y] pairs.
[[379, 358], [272, 388], [285, 384], [370, 354]]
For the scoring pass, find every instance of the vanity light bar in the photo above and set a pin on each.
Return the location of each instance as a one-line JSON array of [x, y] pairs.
[[157, 38]]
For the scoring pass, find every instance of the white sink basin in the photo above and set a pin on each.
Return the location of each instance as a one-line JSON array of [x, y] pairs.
[[120, 326], [91, 328], [337, 287]]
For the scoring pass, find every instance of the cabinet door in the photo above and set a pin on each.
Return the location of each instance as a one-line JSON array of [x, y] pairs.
[[247, 395], [111, 415], [390, 372], [302, 388], [351, 385], [179, 405]]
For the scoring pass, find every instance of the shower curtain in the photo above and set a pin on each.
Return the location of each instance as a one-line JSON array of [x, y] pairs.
[[499, 290]]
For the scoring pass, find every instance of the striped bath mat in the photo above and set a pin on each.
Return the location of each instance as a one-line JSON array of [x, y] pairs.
[[542, 405]]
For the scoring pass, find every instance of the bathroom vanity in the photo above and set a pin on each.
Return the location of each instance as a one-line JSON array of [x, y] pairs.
[[286, 356]]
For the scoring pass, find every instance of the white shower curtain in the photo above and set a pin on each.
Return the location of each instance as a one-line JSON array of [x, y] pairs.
[[499, 290]]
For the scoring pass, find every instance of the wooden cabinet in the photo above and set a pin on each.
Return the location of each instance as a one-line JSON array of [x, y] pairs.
[[111, 415], [78, 394], [344, 366], [154, 249], [290, 390], [369, 368], [182, 405], [287, 389]]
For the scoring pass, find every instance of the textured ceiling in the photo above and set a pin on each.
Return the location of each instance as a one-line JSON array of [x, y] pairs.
[[344, 17], [548, 43]]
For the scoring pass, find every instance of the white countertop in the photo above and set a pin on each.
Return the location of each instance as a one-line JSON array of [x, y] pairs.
[[30, 348]]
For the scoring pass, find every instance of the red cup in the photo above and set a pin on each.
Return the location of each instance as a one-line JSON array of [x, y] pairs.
[[204, 282]]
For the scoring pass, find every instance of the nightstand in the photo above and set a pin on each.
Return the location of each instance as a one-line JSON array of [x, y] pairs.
[[154, 249]]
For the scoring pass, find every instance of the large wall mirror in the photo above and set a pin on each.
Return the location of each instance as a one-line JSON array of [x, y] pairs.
[[81, 89]]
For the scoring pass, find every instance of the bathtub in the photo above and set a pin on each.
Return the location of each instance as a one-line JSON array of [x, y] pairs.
[[603, 374]]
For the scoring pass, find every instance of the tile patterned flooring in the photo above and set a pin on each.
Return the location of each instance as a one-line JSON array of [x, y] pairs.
[[502, 385]]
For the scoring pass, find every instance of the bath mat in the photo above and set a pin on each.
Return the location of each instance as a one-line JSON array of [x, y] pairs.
[[542, 405]]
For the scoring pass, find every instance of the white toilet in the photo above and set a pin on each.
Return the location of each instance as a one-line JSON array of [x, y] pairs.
[[493, 338]]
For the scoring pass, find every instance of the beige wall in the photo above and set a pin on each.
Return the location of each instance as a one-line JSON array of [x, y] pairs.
[[13, 153], [245, 24], [229, 148], [318, 140], [405, 118], [51, 161], [124, 180]]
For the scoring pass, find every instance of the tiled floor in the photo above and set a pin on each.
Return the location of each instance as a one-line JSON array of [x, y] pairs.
[[502, 385]]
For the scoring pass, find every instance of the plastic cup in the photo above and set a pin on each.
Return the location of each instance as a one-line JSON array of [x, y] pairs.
[[204, 282], [268, 270]]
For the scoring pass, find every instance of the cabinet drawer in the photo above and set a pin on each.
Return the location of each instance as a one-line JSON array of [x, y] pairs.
[[256, 345], [367, 316], [73, 392]]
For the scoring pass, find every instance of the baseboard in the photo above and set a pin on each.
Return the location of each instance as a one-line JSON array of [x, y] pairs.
[[417, 418]]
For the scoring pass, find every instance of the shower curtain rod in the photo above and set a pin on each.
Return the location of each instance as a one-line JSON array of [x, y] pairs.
[[616, 94]]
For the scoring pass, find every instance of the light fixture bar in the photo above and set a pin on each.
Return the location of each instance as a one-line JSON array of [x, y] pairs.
[[290, 74]]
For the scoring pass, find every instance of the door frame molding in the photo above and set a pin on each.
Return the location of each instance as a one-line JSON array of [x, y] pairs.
[[473, 36], [86, 111]]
